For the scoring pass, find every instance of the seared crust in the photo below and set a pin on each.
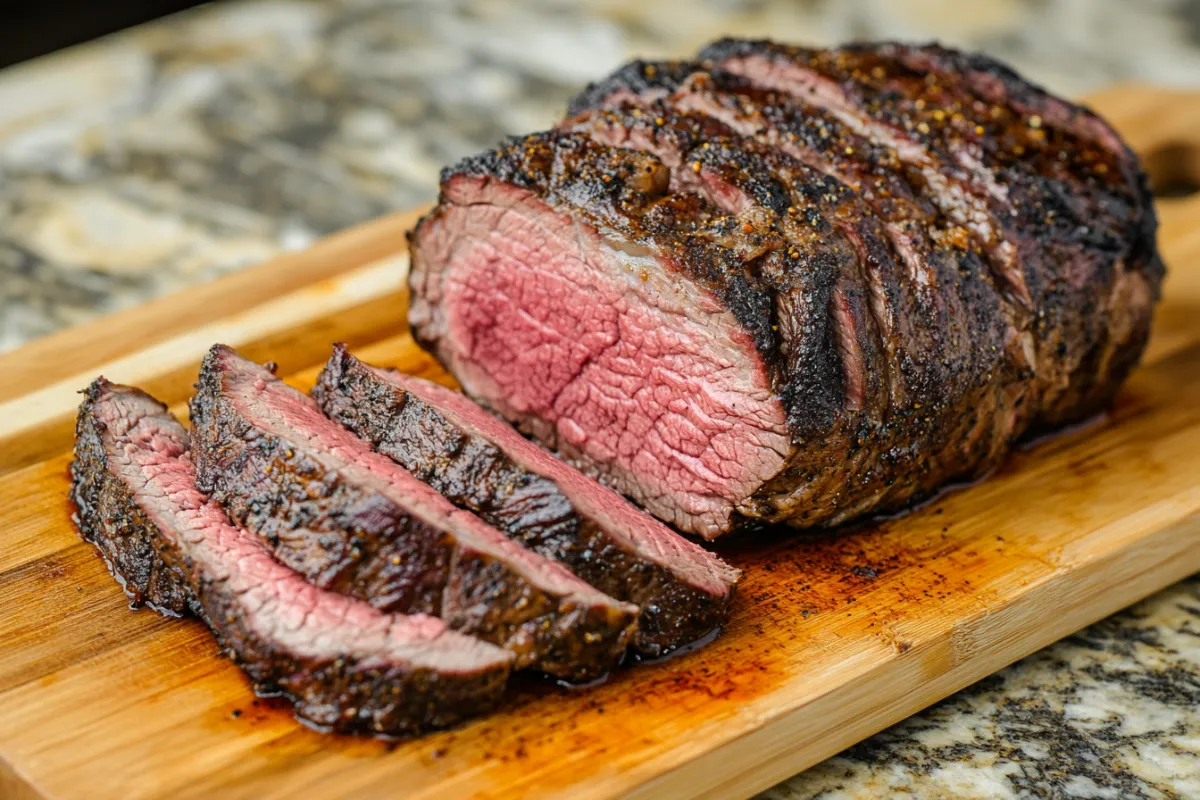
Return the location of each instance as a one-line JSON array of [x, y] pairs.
[[933, 256], [1065, 193], [335, 691], [637, 78], [475, 474], [108, 518], [347, 536]]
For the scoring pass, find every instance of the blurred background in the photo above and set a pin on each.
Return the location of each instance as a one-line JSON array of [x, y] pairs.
[[208, 140]]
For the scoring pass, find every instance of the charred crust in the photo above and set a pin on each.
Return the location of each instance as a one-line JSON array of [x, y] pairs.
[[637, 77], [476, 475], [336, 692], [346, 537]]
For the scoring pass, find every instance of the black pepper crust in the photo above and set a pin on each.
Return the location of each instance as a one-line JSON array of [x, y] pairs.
[[930, 364], [476, 475], [108, 517], [636, 77], [1078, 212], [347, 537], [332, 692], [993, 250]]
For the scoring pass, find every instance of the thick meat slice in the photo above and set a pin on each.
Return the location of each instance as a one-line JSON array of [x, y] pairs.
[[642, 303], [480, 463], [567, 288], [353, 521], [344, 665]]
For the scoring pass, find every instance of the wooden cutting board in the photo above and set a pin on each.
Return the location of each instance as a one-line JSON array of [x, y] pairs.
[[832, 638]]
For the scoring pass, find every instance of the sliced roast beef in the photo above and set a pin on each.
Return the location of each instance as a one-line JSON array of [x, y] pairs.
[[893, 287], [480, 463], [353, 521], [108, 513], [669, 290], [345, 665]]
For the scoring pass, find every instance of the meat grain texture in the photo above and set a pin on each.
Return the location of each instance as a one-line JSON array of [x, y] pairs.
[[344, 665], [354, 522], [777, 284], [480, 463]]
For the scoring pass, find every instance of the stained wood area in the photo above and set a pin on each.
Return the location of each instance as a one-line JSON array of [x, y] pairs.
[[832, 638]]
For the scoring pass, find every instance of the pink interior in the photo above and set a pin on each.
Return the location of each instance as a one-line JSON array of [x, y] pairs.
[[640, 532], [279, 604], [631, 369]]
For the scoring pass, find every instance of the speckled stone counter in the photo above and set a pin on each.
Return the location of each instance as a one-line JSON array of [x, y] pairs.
[[210, 141]]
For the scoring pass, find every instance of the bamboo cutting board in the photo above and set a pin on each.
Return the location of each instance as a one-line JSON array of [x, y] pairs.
[[832, 638]]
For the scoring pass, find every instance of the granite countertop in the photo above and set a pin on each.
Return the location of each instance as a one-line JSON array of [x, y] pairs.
[[210, 141]]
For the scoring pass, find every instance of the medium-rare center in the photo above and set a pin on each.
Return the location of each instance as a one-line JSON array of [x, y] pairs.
[[779, 284], [581, 335], [353, 521]]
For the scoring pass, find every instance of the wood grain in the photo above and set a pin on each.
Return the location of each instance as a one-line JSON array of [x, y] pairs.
[[832, 638]]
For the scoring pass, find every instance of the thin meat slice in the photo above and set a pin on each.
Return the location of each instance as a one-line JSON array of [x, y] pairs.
[[344, 665], [481, 463], [353, 521], [108, 513]]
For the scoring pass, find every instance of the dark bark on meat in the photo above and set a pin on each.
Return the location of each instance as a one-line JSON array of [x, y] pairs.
[[1066, 196], [616, 548], [363, 690], [365, 529]]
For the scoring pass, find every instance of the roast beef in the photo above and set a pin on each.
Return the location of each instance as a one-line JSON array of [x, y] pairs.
[[108, 512], [480, 463], [353, 521], [345, 665], [778, 284]]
